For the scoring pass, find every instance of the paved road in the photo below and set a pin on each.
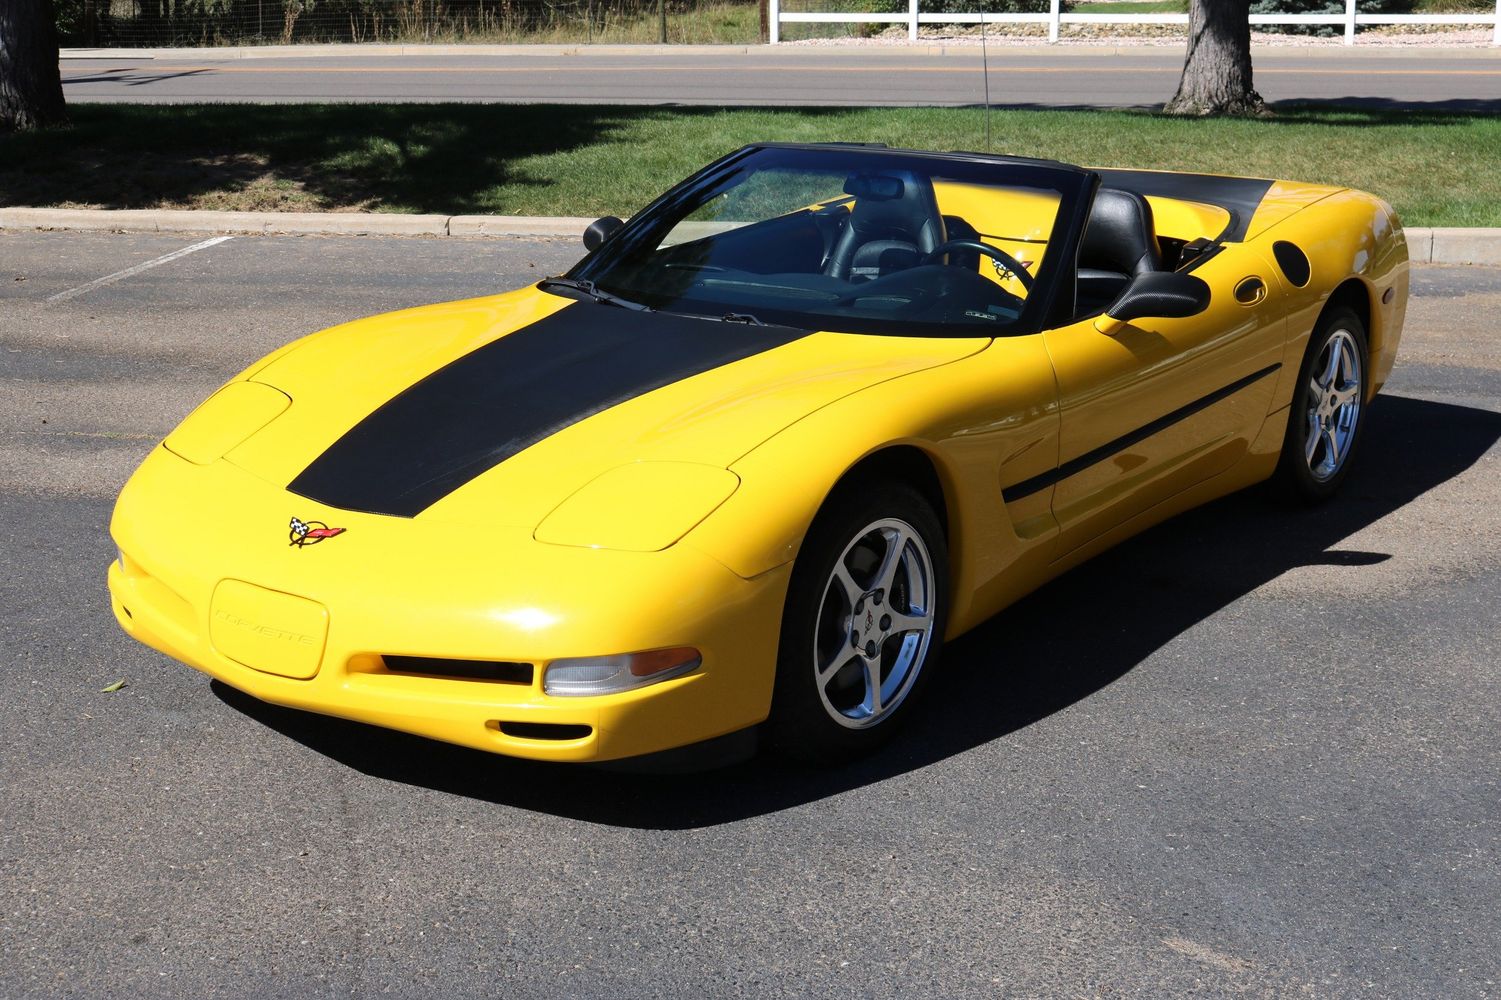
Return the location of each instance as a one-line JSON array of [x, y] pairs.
[[1254, 752], [787, 76]]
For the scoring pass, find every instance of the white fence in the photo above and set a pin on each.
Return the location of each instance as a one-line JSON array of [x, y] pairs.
[[913, 17]]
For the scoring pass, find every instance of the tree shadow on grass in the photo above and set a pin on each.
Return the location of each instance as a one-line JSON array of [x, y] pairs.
[[1343, 111], [413, 157], [1020, 667], [1386, 111]]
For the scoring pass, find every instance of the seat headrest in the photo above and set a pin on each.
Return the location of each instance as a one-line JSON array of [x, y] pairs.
[[893, 205], [1120, 235]]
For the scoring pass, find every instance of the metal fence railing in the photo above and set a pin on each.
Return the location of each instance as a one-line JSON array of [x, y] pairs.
[[911, 14], [162, 23]]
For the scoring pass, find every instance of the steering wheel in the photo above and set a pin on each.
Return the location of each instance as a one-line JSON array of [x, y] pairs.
[[1019, 272]]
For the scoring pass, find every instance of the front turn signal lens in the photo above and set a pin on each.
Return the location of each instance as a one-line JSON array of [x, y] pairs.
[[595, 675]]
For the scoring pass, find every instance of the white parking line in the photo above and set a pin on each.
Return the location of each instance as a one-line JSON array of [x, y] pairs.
[[110, 279]]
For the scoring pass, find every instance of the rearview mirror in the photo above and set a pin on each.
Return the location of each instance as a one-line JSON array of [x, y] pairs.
[[874, 187], [1156, 295], [599, 230]]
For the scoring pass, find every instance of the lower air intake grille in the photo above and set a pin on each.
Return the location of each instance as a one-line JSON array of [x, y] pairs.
[[544, 731], [472, 670]]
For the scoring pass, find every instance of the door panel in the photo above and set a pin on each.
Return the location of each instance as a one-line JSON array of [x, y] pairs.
[[1164, 403]]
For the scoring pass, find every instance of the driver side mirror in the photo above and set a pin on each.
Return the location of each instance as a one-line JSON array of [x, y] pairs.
[[1155, 295], [599, 230]]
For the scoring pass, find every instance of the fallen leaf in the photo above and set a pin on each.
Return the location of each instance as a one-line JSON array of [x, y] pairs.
[[111, 689]]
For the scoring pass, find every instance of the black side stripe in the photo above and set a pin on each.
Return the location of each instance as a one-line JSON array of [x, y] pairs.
[[483, 408], [1027, 487]]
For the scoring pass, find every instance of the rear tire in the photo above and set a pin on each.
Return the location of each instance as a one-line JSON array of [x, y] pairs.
[[1328, 409], [863, 624]]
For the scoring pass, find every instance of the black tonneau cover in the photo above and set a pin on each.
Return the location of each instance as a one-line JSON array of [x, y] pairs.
[[1240, 196]]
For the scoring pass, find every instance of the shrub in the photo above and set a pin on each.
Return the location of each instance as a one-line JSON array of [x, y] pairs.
[[1322, 7]]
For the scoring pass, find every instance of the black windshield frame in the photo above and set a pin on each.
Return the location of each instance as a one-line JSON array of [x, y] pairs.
[[1053, 289]]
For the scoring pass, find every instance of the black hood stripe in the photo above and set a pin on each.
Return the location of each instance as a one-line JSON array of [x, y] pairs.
[[481, 409]]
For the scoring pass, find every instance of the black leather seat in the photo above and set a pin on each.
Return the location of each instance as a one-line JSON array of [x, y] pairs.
[[1120, 242], [895, 222]]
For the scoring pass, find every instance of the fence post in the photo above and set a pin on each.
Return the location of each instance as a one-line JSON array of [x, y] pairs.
[[774, 21], [1349, 22], [911, 20], [1496, 38], [1054, 10]]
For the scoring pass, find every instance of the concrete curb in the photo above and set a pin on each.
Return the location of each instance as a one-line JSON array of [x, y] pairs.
[[292, 223], [1454, 246], [1442, 245], [1318, 53]]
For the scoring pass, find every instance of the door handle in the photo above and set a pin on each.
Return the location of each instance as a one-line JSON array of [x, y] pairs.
[[1250, 291]]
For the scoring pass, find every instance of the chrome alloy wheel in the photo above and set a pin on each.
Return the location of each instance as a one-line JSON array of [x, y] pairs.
[[875, 624], [1334, 401]]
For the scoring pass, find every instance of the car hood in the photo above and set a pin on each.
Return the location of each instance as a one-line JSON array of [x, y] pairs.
[[495, 410]]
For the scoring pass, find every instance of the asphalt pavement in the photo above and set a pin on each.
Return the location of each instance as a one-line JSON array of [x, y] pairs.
[[1454, 79], [1254, 752]]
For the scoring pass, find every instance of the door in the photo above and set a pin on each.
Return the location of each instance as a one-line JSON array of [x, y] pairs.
[[1163, 404]]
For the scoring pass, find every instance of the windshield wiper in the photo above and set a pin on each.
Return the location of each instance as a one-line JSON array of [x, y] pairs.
[[596, 293], [731, 317]]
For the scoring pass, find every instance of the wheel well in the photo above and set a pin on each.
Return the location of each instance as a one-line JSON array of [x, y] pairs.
[[906, 464], [1353, 294]]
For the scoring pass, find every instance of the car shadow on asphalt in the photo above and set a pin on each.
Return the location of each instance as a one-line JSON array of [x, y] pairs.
[[1023, 665]]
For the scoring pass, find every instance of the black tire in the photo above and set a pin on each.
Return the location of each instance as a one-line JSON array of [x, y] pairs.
[[803, 722], [1296, 477]]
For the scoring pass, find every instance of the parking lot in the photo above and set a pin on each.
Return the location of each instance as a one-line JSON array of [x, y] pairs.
[[1254, 752]]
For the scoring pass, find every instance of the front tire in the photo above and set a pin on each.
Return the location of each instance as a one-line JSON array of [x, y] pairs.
[[863, 624], [1328, 408]]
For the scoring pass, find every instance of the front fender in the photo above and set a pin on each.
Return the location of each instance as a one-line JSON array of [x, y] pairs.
[[985, 421], [1349, 236]]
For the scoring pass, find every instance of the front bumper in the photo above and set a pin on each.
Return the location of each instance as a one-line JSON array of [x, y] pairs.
[[190, 534]]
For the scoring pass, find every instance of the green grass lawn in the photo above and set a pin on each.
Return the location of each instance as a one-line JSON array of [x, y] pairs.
[[1437, 169]]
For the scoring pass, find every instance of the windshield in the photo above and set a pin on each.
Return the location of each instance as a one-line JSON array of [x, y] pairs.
[[861, 240]]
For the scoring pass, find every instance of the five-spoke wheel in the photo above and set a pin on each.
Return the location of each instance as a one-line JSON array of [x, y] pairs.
[[874, 624], [863, 623], [1333, 405], [1328, 407]]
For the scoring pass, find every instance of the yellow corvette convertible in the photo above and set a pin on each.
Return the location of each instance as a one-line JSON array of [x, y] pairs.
[[812, 412]]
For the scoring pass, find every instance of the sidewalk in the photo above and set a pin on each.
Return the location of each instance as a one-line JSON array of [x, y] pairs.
[[1424, 245]]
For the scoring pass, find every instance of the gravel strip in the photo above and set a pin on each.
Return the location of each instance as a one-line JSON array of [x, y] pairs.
[[1152, 35]]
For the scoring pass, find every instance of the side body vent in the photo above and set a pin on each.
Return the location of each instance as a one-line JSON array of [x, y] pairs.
[[1294, 262]]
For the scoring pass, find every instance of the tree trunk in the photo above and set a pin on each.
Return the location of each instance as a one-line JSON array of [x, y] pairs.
[[1217, 71], [31, 91]]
